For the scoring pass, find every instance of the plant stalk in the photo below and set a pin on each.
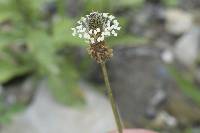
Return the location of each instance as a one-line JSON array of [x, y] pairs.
[[111, 98]]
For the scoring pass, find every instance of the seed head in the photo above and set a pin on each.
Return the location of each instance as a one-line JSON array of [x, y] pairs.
[[95, 27]]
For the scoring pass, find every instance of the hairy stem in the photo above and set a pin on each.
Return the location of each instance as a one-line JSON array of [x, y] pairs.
[[111, 98]]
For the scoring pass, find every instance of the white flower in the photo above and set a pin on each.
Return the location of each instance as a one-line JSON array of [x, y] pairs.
[[118, 28], [98, 39], [111, 17], [86, 36], [92, 40], [107, 33], [94, 32], [98, 29], [105, 15], [79, 22], [83, 19], [84, 29], [114, 33], [73, 34], [102, 38], [90, 32]]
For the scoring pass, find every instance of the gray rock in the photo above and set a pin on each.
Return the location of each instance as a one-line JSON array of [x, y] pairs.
[[178, 21], [147, 21], [45, 115], [187, 47], [19, 92], [140, 82], [143, 89], [167, 56], [189, 4], [196, 130]]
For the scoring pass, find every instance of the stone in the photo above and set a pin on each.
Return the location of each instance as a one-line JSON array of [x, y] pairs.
[[183, 109], [45, 115], [178, 21], [144, 89], [187, 47], [20, 91], [167, 56], [189, 4], [139, 79], [163, 119], [148, 21]]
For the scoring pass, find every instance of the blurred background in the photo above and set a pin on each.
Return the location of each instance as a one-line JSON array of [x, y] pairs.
[[49, 84]]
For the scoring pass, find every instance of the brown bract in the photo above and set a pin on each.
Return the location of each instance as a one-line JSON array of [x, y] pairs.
[[100, 52]]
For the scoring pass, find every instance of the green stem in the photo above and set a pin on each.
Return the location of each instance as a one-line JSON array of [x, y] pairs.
[[114, 107]]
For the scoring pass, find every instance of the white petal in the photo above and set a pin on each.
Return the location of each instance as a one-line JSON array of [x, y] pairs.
[[86, 36], [116, 24], [98, 29], [107, 33], [83, 18], [84, 29], [105, 15], [102, 38], [111, 17], [112, 27], [79, 27], [118, 28], [95, 32], [90, 31], [115, 21], [108, 23], [92, 40], [113, 32], [98, 39], [79, 22]]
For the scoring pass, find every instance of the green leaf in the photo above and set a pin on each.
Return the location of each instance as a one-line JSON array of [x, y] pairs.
[[7, 114], [43, 51], [7, 10], [171, 2], [65, 85], [10, 69], [9, 38], [62, 77]]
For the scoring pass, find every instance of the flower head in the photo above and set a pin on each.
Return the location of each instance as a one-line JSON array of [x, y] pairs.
[[95, 27]]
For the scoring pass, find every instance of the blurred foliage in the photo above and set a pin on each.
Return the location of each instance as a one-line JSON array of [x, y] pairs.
[[171, 2], [186, 85], [110, 5], [27, 45], [7, 113]]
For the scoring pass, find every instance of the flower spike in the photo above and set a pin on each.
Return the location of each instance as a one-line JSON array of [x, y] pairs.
[[96, 26]]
